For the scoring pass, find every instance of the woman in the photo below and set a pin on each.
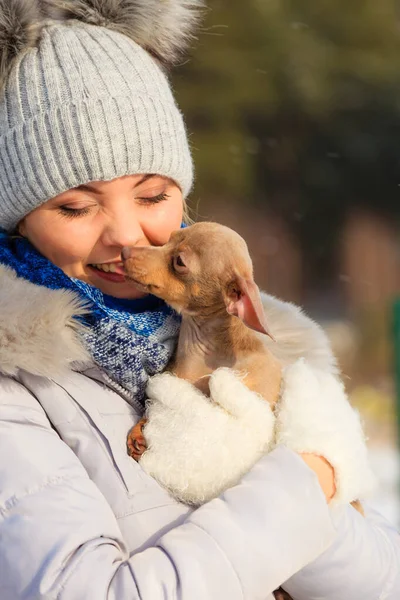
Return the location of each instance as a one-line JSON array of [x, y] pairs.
[[94, 157]]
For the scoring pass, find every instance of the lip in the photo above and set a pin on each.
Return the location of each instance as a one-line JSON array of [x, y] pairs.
[[114, 277]]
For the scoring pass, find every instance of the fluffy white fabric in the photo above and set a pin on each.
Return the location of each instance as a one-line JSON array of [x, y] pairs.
[[314, 415], [38, 331], [296, 335], [199, 446]]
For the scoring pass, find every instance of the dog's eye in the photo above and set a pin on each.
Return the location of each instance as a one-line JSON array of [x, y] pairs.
[[179, 264]]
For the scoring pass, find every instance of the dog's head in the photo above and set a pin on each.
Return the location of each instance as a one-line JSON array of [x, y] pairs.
[[204, 270]]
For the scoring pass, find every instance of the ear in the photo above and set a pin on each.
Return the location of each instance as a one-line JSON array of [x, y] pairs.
[[21, 231], [243, 300]]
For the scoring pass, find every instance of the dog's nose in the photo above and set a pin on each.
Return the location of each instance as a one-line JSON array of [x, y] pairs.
[[125, 252]]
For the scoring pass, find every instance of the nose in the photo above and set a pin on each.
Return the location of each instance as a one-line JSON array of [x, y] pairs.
[[124, 229], [125, 252]]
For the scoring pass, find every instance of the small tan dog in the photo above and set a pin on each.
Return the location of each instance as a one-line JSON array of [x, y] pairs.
[[205, 273], [220, 304], [221, 310]]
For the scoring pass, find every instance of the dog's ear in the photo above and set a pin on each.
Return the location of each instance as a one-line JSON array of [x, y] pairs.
[[243, 300]]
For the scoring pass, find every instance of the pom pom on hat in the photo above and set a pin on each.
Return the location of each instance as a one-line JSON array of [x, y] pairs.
[[21, 22], [164, 28]]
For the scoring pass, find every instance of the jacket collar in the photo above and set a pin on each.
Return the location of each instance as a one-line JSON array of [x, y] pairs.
[[38, 331], [40, 334]]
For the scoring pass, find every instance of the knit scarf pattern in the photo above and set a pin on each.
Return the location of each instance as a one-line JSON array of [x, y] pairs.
[[129, 340]]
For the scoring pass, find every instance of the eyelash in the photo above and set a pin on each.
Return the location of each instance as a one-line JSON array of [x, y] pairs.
[[155, 199], [80, 212], [73, 212]]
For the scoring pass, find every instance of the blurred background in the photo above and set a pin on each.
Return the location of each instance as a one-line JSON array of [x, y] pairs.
[[293, 109]]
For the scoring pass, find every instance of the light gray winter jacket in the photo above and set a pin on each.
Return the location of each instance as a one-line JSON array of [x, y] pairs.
[[80, 520]]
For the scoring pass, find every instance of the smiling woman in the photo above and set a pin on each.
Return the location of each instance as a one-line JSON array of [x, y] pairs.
[[83, 230], [94, 157]]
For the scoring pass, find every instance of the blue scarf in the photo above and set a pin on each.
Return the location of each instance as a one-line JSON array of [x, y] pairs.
[[128, 339]]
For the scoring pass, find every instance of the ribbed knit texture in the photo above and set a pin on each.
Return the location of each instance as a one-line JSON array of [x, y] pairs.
[[87, 105]]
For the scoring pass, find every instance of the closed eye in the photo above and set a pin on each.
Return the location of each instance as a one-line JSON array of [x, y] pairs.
[[69, 212], [154, 199]]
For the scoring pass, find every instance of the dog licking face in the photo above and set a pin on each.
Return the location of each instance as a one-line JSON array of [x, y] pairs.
[[203, 271]]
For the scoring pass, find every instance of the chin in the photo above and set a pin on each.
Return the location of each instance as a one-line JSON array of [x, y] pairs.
[[122, 292]]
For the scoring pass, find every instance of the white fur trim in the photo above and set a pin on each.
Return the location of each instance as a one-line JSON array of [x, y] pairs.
[[314, 415], [296, 335], [38, 332], [199, 447]]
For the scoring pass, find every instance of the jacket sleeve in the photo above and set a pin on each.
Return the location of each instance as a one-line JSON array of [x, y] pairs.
[[363, 561], [60, 539]]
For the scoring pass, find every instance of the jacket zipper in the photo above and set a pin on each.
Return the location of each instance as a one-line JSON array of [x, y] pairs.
[[128, 396]]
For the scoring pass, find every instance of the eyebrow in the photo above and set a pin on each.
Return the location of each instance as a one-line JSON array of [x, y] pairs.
[[144, 178], [86, 187]]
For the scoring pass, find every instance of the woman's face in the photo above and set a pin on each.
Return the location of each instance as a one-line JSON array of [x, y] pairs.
[[83, 230]]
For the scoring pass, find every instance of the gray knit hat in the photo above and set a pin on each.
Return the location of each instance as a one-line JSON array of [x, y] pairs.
[[85, 98]]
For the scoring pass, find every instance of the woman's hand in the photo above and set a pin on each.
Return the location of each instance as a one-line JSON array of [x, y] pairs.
[[199, 446], [324, 471], [314, 417]]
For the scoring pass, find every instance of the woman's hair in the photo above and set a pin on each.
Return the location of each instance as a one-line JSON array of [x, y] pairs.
[[187, 219]]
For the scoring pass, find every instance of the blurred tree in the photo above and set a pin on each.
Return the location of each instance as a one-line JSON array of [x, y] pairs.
[[294, 106]]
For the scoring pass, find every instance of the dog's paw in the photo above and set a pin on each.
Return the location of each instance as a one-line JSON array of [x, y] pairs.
[[136, 442]]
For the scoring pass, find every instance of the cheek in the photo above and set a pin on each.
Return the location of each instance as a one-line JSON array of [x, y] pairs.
[[64, 243], [167, 218]]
